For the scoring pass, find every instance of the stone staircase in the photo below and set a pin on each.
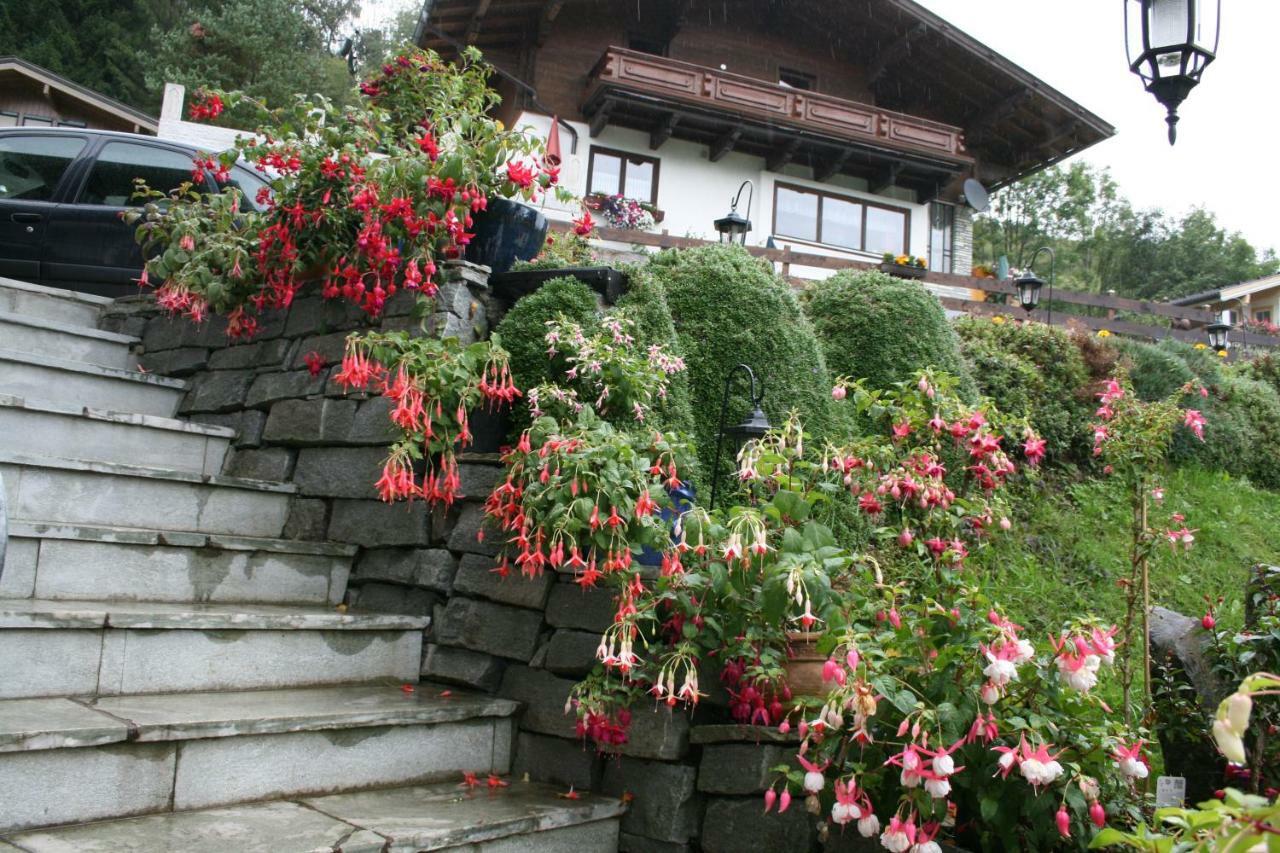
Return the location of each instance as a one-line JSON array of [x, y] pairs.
[[174, 676]]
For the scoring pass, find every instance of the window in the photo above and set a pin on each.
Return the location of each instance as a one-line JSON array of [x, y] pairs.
[[36, 121], [111, 180], [647, 44], [942, 221], [838, 221], [249, 184], [1262, 316], [31, 166], [71, 123], [621, 173], [793, 79]]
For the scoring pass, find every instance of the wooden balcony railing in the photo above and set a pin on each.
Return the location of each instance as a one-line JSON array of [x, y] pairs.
[[724, 92]]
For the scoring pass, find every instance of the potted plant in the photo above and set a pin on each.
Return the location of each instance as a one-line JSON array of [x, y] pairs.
[[903, 266], [564, 255]]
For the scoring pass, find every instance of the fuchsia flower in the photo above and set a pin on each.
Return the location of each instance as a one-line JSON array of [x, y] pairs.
[[584, 225], [814, 781], [521, 174], [839, 392], [1098, 814], [1195, 422], [1130, 760], [1038, 766], [1063, 820], [900, 834], [1033, 449]]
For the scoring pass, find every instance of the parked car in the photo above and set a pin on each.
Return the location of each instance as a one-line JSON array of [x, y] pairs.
[[62, 192]]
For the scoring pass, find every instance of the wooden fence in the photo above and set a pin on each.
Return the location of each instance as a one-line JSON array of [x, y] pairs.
[[1096, 311]]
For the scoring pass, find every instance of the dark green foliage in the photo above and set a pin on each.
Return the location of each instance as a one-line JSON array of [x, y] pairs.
[[1156, 372], [728, 308], [1265, 368], [883, 329], [1035, 371], [524, 328], [645, 302]]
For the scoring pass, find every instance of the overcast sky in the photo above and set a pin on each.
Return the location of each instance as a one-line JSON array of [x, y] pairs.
[[1230, 128]]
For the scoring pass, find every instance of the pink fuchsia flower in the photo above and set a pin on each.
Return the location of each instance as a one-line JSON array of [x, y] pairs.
[[937, 424], [901, 430], [784, 801], [1000, 667], [832, 671], [1063, 820], [770, 796], [1033, 449], [869, 825], [1098, 814], [1130, 760], [1195, 422], [906, 537], [1184, 536], [1008, 760], [839, 392], [845, 809], [900, 834], [584, 225], [1207, 621], [1112, 392], [1038, 766], [990, 693], [814, 781], [1102, 644], [1157, 494]]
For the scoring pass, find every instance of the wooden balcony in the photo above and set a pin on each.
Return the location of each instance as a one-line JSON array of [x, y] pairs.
[[729, 112]]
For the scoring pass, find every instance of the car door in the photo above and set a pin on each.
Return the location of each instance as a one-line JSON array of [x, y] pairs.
[[32, 165], [88, 246]]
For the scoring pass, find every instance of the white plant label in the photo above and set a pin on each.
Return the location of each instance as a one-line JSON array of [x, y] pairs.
[[1170, 791]]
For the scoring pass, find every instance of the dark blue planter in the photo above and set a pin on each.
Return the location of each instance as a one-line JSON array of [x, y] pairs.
[[506, 232]]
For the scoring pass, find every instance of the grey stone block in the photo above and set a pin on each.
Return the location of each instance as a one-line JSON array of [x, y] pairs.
[[310, 422], [478, 479], [313, 316], [432, 568], [476, 577], [330, 347], [628, 843], [495, 629], [572, 652], [270, 463], [218, 391], [656, 732], [175, 362], [372, 423], [340, 472], [390, 598], [732, 825], [267, 388], [374, 524], [471, 522], [543, 696], [134, 326], [564, 762], [461, 666], [248, 424], [741, 768], [570, 606], [308, 519], [665, 804], [257, 354]]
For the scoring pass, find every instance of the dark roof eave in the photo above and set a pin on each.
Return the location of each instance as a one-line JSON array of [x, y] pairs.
[[1198, 298], [97, 99]]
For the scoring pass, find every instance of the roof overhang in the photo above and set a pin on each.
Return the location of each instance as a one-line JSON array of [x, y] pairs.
[[92, 99]]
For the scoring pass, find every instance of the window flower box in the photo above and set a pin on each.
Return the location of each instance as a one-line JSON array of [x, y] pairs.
[[621, 212], [510, 286], [903, 266]]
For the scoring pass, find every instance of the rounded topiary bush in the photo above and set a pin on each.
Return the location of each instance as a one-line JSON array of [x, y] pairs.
[[1155, 371], [729, 307], [523, 330], [1242, 436], [1035, 371], [883, 329]]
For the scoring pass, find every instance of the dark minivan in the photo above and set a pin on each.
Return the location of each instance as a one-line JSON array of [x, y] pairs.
[[61, 195]]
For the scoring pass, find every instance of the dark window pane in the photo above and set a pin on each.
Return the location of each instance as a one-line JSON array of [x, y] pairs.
[[37, 121], [886, 231], [606, 173], [8, 119], [111, 180], [941, 229], [841, 223], [796, 79], [639, 184], [31, 166], [249, 184], [797, 214]]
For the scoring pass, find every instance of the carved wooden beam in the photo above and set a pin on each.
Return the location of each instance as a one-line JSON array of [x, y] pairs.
[[662, 130], [823, 171], [550, 11], [600, 119], [725, 143], [780, 157], [477, 18], [980, 125], [895, 50], [885, 179]]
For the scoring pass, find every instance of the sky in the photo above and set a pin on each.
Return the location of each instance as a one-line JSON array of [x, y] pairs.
[[1230, 124], [1230, 127]]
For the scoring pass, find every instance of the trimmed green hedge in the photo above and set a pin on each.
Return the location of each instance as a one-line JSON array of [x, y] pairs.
[[883, 329], [728, 308], [1035, 371], [523, 330]]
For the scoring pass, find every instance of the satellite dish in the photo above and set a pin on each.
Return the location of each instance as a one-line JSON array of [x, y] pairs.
[[975, 195]]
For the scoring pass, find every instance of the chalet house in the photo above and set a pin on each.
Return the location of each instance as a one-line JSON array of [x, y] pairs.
[[1255, 302], [857, 121], [31, 96]]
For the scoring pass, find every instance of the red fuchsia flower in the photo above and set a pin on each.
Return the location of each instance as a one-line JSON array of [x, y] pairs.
[[521, 174], [869, 504], [1063, 821], [1033, 449], [839, 392], [397, 481], [358, 370], [901, 430], [584, 225], [784, 801], [1195, 422], [427, 143], [1098, 814], [205, 106], [314, 362], [1130, 760], [1207, 621]]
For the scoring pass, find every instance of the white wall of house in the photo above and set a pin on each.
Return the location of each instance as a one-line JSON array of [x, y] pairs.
[[204, 136], [693, 192]]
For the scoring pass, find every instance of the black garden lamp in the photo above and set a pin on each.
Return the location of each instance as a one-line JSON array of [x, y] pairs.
[[1029, 284], [1169, 44], [1219, 334], [734, 227], [755, 426]]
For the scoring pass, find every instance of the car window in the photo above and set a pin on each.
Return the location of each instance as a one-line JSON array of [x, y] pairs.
[[31, 166], [249, 184], [119, 163]]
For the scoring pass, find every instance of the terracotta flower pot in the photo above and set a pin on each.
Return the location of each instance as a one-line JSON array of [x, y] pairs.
[[804, 664]]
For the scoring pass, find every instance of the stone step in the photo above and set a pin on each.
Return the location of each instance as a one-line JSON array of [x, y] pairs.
[[53, 561], [56, 380], [67, 341], [104, 494], [39, 428], [522, 817], [112, 757], [100, 648], [51, 303]]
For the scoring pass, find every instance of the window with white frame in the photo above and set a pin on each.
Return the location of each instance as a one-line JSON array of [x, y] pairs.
[[840, 221]]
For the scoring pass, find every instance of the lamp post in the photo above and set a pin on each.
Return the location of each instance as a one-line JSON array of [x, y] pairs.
[[755, 426], [734, 227], [1169, 44], [1220, 332], [1029, 284]]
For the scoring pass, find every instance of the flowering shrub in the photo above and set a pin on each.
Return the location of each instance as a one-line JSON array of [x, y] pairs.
[[368, 197], [619, 211]]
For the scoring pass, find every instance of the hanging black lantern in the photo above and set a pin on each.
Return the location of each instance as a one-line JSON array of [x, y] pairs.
[[754, 427], [1029, 285], [1219, 335], [734, 227], [1170, 43]]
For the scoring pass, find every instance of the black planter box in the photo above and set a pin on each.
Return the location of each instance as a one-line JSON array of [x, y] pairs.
[[903, 271], [607, 281]]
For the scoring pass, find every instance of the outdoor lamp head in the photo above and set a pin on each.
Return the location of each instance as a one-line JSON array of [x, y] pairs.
[[733, 228], [1169, 44], [1219, 333], [755, 426], [1029, 285]]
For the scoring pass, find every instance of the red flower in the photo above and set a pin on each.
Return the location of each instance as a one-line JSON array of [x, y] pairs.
[[520, 174], [584, 225], [314, 362], [205, 106]]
